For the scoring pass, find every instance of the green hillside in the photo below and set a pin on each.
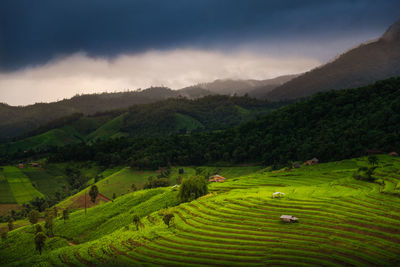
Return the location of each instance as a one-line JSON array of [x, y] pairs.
[[119, 180], [56, 137], [17, 186], [330, 126], [164, 118], [110, 129], [187, 123], [46, 181], [342, 221]]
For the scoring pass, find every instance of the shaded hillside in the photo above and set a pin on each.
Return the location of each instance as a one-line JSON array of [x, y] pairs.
[[183, 115], [331, 126], [15, 121], [163, 118], [360, 66]]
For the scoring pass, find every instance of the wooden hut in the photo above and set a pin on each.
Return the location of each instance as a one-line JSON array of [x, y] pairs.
[[216, 179]]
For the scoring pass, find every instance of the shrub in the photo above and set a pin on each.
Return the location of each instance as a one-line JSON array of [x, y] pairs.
[[94, 191], [33, 217], [4, 236], [160, 182], [167, 218], [192, 188], [365, 174], [40, 239]]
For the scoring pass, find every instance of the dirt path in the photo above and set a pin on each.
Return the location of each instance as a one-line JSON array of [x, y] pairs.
[[103, 197]]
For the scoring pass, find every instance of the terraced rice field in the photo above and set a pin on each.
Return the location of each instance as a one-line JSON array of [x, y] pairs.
[[342, 222]]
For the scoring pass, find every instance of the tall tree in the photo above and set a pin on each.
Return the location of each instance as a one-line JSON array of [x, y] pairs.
[[10, 224], [49, 224], [65, 214], [40, 240], [33, 216], [55, 212], [94, 191]]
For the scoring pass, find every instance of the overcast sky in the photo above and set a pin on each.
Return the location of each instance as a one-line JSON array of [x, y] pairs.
[[51, 50]]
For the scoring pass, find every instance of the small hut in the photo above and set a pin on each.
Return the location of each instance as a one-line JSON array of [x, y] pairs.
[[175, 187], [289, 218], [277, 195], [394, 154], [313, 161], [34, 164], [216, 179]]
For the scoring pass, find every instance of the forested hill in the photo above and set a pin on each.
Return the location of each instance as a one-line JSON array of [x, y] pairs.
[[163, 118], [15, 121], [331, 126]]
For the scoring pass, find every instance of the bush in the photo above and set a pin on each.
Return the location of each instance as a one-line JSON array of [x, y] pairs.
[[167, 218], [365, 174], [192, 188], [160, 182]]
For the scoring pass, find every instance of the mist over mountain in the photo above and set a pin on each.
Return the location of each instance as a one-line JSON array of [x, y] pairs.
[[375, 60], [252, 87]]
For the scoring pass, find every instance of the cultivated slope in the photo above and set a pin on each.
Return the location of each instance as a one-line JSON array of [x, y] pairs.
[[342, 221]]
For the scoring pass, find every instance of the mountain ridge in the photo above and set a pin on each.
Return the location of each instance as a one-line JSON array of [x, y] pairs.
[[360, 66], [17, 120]]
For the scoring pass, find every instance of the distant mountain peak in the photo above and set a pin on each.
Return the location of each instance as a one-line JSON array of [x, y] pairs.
[[369, 62], [393, 33]]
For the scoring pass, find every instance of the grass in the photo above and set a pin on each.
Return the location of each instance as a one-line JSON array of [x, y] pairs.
[[6, 195], [55, 137], [20, 185], [185, 122], [121, 181], [342, 221], [45, 182], [110, 129]]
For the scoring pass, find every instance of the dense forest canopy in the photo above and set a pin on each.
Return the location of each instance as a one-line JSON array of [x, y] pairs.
[[330, 126], [172, 116]]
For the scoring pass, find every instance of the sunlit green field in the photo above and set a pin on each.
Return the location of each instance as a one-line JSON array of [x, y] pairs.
[[16, 186], [342, 221]]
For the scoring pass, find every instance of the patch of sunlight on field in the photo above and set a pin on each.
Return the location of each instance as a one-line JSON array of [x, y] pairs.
[[20, 185]]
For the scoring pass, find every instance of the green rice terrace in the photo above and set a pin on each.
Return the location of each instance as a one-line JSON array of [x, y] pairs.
[[341, 222]]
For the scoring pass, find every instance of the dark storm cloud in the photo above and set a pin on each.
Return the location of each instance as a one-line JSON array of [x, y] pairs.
[[33, 32]]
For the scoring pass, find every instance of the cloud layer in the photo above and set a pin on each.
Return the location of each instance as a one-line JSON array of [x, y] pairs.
[[33, 32], [78, 73]]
